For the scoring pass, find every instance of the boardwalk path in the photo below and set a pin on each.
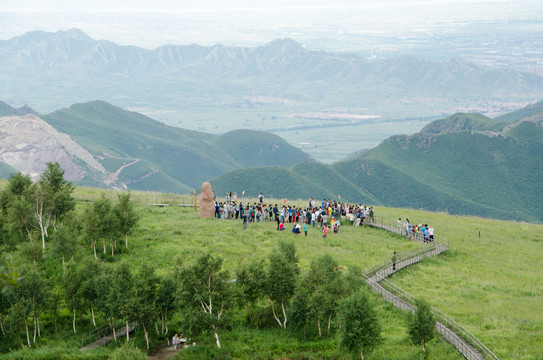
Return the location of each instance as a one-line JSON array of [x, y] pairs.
[[452, 332]]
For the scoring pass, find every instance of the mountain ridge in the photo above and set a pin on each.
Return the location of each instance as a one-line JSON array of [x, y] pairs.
[[131, 77]]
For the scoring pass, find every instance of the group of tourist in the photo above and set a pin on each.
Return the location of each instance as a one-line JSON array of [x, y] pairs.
[[325, 215], [419, 232]]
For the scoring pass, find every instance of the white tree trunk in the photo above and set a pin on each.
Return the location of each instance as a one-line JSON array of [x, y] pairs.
[[146, 336], [94, 248], [319, 325], [35, 329], [92, 313], [128, 333], [39, 327], [113, 327], [274, 314], [126, 240], [361, 354], [217, 341], [284, 314], [27, 334], [75, 332]]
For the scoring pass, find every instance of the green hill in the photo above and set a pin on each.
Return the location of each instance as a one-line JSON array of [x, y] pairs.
[[525, 112], [169, 159], [463, 164]]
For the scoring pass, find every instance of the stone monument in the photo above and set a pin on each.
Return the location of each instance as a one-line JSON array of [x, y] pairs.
[[207, 204]]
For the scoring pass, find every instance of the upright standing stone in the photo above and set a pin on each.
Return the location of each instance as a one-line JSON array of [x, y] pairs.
[[207, 204]]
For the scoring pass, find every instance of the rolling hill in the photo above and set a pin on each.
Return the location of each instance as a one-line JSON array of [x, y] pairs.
[[138, 152], [463, 164]]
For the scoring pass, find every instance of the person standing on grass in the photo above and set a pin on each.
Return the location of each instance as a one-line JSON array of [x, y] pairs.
[[244, 218], [305, 229], [325, 231], [261, 198]]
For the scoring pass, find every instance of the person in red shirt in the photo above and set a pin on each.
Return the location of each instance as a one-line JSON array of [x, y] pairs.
[[325, 231]]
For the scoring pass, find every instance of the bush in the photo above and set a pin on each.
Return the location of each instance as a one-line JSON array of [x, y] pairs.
[[128, 352]]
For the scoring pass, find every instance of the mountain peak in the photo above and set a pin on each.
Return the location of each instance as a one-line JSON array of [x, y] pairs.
[[286, 44], [73, 33]]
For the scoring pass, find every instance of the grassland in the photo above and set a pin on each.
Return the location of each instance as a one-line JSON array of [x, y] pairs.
[[489, 284]]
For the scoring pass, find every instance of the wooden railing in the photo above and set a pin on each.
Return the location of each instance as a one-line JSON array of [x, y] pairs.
[[462, 339], [100, 332]]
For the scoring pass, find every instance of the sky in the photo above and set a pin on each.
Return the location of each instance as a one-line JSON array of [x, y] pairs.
[[151, 23]]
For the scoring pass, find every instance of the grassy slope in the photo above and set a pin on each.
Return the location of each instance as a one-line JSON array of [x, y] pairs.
[[255, 148], [463, 172], [490, 285]]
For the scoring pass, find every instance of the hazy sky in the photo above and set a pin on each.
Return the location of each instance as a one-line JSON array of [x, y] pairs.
[[151, 23]]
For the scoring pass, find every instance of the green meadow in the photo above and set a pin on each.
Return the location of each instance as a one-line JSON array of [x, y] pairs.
[[490, 284]]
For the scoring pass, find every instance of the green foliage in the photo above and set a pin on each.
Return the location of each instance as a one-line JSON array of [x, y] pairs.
[[421, 325], [128, 352], [360, 329], [281, 279], [206, 295]]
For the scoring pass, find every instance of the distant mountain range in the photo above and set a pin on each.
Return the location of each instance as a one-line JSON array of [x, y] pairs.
[[53, 70], [122, 149], [463, 164]]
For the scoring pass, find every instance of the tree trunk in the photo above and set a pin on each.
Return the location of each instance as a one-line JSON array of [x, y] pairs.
[[319, 325], [329, 321], [113, 327], [2, 325], [217, 341], [128, 332], [274, 314], [156, 328], [249, 311], [55, 319], [361, 354], [35, 329], [39, 327], [75, 332], [10, 258], [126, 240], [284, 314], [422, 342], [166, 320], [112, 250], [27, 333], [147, 335], [104, 244], [93, 318]]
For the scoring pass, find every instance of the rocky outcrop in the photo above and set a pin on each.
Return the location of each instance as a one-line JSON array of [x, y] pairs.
[[27, 143]]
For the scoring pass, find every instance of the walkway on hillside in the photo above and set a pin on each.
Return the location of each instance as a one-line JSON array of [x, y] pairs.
[[104, 340], [467, 344]]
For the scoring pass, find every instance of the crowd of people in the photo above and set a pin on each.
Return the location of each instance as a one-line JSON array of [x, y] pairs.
[[326, 215]]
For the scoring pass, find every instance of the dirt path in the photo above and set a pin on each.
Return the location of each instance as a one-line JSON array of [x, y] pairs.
[[163, 352]]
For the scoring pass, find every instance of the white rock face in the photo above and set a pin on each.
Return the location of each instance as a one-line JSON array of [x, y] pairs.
[[28, 142]]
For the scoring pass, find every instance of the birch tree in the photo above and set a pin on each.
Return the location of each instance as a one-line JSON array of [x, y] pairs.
[[360, 330], [205, 294], [126, 215], [281, 277]]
